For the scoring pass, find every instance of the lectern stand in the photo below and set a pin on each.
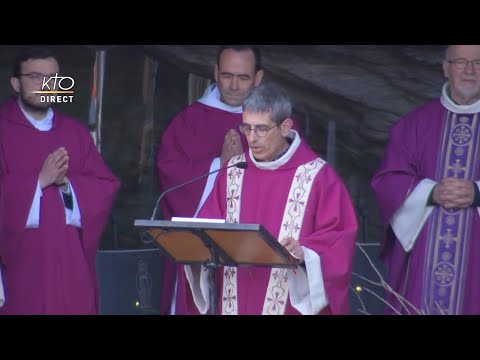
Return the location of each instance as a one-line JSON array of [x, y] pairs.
[[217, 244]]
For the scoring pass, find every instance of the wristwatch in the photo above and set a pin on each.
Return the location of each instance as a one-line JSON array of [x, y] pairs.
[[64, 187]]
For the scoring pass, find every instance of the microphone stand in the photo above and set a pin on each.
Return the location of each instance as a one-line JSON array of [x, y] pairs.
[[213, 264], [241, 165]]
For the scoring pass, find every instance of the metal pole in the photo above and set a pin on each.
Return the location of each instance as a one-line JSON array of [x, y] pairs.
[[101, 56]]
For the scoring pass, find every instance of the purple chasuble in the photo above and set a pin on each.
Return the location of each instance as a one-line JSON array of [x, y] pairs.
[[441, 274], [329, 228], [193, 139], [190, 143], [50, 269]]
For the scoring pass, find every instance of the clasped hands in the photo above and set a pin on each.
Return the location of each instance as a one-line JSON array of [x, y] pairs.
[[54, 169], [232, 146], [454, 193]]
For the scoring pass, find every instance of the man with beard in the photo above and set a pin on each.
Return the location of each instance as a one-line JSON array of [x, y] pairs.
[[56, 194], [427, 190]]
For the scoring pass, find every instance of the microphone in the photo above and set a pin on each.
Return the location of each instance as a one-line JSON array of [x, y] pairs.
[[240, 165]]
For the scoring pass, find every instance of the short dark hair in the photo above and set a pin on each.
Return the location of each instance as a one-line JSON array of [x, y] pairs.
[[30, 53], [255, 49]]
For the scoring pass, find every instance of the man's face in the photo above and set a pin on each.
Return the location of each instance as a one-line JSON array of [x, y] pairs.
[[265, 148], [31, 79], [235, 76], [463, 75]]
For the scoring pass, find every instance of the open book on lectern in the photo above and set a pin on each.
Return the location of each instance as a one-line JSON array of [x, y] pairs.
[[197, 242]]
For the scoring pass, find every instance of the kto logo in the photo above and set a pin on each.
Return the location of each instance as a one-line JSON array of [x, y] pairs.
[[65, 85]]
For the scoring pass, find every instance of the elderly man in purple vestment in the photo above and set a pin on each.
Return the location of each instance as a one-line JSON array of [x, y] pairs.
[[56, 194], [427, 191], [300, 200]]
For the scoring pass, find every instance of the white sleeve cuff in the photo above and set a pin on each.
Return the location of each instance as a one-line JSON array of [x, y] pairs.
[[73, 217], [408, 220], [33, 220], [197, 278], [306, 288], [215, 165], [2, 293]]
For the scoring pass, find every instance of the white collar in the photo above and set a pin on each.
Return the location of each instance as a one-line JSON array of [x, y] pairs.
[[273, 165], [211, 97], [44, 124], [446, 101]]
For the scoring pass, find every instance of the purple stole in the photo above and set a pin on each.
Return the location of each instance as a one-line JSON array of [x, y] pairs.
[[449, 234]]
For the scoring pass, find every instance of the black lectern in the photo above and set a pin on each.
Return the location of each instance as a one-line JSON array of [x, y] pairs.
[[217, 244]]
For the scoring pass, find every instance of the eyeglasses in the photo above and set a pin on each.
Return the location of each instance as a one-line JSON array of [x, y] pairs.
[[259, 130], [36, 76], [463, 63]]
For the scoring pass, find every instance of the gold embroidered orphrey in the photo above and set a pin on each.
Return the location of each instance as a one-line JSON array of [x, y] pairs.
[[277, 291]]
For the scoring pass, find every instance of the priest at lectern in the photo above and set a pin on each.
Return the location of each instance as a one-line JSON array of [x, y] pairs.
[[298, 198]]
